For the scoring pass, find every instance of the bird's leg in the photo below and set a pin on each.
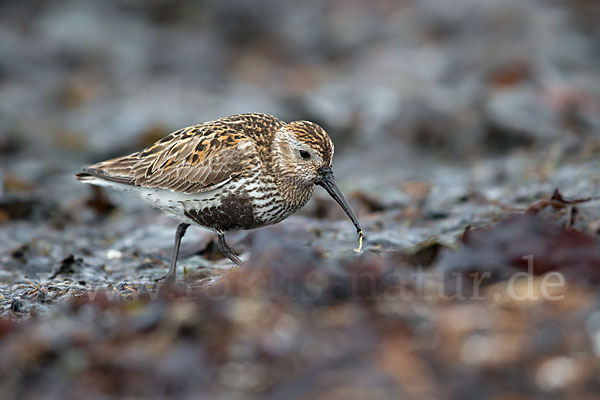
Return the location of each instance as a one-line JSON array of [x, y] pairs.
[[181, 228], [226, 250]]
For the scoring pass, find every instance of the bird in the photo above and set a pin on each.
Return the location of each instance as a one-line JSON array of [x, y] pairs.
[[239, 172]]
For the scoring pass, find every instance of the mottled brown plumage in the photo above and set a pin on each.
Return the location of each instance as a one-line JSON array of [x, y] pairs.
[[238, 172]]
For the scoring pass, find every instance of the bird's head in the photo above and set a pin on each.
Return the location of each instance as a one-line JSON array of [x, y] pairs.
[[301, 149], [303, 153]]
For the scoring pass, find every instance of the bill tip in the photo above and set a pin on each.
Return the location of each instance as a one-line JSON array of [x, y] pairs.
[[360, 242]]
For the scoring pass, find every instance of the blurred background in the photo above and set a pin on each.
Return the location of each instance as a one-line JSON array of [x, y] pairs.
[[444, 114], [389, 80]]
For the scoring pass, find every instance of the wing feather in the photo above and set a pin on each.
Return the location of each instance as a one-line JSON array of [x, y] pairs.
[[193, 160]]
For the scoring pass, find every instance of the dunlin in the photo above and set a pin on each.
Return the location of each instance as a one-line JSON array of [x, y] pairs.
[[240, 172]]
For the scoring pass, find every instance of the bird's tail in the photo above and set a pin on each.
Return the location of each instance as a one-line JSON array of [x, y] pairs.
[[118, 170]]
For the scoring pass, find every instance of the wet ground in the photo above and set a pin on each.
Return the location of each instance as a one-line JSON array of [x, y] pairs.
[[466, 141]]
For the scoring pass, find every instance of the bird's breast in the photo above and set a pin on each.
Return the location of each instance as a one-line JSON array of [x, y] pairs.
[[248, 203], [245, 203]]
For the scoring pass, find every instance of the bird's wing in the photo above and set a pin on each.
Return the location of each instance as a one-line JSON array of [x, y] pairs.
[[192, 160]]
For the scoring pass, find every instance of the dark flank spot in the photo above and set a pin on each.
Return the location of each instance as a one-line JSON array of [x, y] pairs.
[[215, 142], [234, 213], [199, 146], [195, 158]]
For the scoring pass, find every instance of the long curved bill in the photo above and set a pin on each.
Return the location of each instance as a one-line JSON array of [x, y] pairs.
[[328, 182]]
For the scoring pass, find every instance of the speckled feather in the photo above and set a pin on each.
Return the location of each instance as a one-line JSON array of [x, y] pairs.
[[227, 174], [194, 159]]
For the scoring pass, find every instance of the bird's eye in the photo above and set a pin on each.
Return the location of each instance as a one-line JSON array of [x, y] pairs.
[[304, 154]]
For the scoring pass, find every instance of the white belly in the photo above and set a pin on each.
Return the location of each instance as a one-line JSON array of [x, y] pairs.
[[175, 203]]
